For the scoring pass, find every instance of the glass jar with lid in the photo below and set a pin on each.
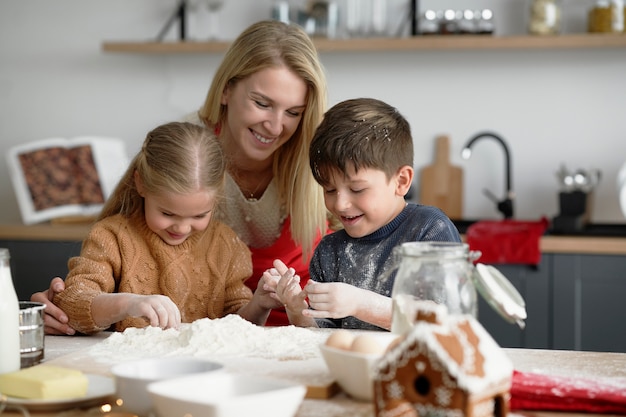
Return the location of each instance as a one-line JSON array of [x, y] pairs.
[[545, 17], [444, 272]]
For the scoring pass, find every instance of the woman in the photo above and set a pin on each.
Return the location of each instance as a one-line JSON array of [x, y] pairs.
[[265, 101]]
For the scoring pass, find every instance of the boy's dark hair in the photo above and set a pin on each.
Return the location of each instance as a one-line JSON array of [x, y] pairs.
[[364, 133]]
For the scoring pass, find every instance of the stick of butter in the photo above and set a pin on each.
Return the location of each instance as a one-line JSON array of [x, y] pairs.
[[44, 382]]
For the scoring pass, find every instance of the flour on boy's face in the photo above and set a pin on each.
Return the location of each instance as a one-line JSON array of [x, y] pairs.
[[364, 200]]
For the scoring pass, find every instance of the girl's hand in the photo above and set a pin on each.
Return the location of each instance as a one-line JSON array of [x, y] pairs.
[[158, 309], [266, 291], [290, 293]]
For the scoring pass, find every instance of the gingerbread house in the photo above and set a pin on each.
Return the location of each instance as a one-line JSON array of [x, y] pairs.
[[446, 365]]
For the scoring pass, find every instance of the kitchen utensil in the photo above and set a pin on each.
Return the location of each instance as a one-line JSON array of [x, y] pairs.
[[31, 333], [441, 184]]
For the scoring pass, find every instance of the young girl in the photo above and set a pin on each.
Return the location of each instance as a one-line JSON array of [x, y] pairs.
[[155, 257]]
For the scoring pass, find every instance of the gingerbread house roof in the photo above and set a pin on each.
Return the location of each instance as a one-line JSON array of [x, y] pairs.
[[458, 343]]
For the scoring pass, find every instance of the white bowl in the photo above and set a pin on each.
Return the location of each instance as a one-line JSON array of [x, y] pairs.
[[226, 395], [353, 371], [132, 378]]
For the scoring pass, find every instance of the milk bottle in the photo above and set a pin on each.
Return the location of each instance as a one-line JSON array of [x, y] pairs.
[[9, 318]]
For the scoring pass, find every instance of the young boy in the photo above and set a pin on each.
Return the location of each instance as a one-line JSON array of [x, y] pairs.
[[362, 155]]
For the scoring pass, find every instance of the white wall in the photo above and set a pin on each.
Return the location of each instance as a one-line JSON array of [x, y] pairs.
[[551, 106]]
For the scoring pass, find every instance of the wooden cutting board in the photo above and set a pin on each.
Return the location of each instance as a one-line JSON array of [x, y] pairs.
[[441, 184]]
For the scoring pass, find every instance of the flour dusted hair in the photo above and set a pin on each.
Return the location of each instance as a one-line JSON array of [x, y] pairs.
[[175, 157], [362, 133]]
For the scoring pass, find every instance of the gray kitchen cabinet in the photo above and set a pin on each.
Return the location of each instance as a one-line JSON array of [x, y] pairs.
[[573, 301], [34, 263], [534, 284], [589, 302]]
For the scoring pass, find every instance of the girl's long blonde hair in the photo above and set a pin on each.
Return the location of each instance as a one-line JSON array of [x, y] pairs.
[[176, 157], [270, 44]]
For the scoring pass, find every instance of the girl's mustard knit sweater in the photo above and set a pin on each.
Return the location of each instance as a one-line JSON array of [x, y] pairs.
[[204, 276]]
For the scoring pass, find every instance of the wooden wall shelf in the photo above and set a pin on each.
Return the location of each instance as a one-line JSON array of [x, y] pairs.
[[463, 42]]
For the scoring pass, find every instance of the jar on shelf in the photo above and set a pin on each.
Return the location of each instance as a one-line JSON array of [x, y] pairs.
[[607, 16], [429, 23], [484, 22], [545, 17]]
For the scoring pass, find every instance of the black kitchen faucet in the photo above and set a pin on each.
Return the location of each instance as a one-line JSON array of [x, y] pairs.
[[504, 206]]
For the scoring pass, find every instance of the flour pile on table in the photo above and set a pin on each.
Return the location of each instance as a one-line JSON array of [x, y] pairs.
[[230, 336]]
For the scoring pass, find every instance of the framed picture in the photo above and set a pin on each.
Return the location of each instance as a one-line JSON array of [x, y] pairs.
[[59, 177]]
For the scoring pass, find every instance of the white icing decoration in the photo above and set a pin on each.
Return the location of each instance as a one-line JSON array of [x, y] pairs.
[[395, 390], [443, 395], [420, 366], [430, 410]]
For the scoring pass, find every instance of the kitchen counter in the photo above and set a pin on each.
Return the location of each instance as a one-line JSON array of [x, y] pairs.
[[69, 351], [66, 232], [548, 244]]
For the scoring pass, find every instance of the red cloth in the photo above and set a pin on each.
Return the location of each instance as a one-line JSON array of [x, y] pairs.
[[507, 241], [287, 251], [530, 391]]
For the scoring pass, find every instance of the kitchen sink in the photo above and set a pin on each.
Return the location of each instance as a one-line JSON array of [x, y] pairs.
[[591, 229]]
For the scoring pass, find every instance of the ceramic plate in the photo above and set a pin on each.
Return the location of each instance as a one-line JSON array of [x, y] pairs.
[[100, 387]]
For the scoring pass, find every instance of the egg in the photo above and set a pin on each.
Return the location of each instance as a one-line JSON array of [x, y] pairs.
[[366, 343], [340, 339]]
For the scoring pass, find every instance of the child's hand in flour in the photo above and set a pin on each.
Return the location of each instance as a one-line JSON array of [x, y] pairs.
[[158, 310], [290, 294]]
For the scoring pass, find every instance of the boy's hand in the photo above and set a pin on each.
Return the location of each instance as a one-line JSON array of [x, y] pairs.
[[290, 294], [265, 291], [334, 300]]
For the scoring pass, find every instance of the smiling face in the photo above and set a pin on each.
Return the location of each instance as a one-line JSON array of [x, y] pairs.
[[174, 216], [365, 200], [264, 111]]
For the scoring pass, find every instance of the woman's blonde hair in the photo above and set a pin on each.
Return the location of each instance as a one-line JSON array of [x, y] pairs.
[[176, 157], [271, 44]]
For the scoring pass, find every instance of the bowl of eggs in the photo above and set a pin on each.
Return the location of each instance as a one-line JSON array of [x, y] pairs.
[[350, 357]]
